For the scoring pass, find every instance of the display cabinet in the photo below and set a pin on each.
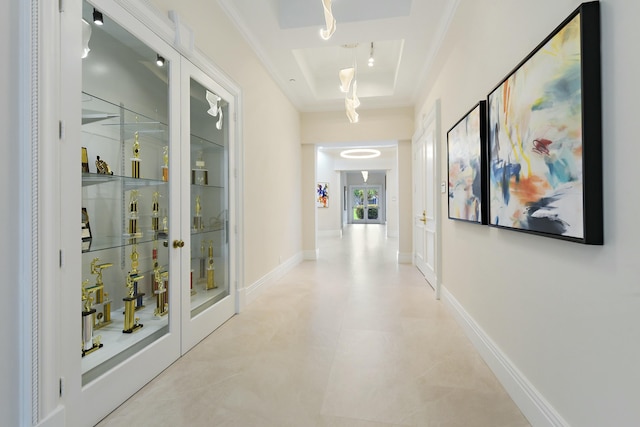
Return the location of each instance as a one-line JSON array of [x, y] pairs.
[[208, 299], [150, 272]]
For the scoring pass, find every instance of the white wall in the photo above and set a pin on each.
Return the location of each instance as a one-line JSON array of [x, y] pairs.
[[271, 136], [9, 218], [566, 315]]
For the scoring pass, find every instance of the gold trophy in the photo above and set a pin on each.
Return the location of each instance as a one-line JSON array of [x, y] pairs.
[[102, 167], [211, 283], [135, 160], [103, 318], [89, 343], [197, 219], [131, 323], [162, 300], [165, 166], [155, 212], [85, 160], [200, 175], [133, 215], [133, 301], [203, 263]]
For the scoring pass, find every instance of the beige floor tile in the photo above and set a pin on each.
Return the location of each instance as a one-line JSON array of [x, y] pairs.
[[350, 340]]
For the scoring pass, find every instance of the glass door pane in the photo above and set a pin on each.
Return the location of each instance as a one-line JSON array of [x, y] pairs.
[[125, 197], [372, 204], [209, 275]]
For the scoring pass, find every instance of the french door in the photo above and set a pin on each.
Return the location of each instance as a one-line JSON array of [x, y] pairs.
[[366, 205]]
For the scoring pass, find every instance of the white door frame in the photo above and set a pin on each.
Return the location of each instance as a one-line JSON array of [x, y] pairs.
[[430, 123], [381, 205]]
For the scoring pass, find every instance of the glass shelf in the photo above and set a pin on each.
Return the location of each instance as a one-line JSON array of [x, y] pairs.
[[129, 183], [208, 230], [97, 244], [207, 186]]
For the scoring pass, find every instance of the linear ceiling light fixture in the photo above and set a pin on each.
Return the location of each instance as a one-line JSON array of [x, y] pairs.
[[360, 153], [329, 20]]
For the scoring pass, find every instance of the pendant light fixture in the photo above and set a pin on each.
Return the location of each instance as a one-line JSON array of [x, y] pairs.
[[371, 59], [86, 36], [330, 21]]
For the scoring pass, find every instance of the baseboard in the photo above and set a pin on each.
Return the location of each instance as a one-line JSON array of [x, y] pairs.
[[330, 233], [54, 419], [405, 258], [251, 292], [311, 255], [531, 402]]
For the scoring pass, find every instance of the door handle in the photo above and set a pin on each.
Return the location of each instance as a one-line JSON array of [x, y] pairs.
[[178, 244], [424, 217]]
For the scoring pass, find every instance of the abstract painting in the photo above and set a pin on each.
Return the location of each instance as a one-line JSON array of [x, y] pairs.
[[545, 131], [322, 195], [465, 149]]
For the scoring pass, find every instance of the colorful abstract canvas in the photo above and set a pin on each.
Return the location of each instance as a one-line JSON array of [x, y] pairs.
[[465, 147], [322, 195], [542, 131]]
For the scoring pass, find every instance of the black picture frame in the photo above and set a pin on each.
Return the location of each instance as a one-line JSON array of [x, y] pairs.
[[466, 166], [544, 122]]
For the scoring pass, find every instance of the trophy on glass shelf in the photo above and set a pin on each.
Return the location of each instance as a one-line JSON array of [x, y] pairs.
[[89, 343], [155, 212], [162, 300], [203, 264], [131, 323], [200, 175], [102, 302], [102, 167], [197, 218], [165, 165], [135, 160], [133, 300], [133, 230], [85, 160], [211, 283], [135, 273]]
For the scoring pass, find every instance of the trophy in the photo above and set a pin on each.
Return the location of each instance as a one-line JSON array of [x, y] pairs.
[[89, 343], [200, 175], [85, 160], [135, 160], [133, 215], [211, 283], [103, 318], [155, 212], [134, 273], [131, 323], [203, 263], [102, 167], [165, 166], [162, 300], [197, 219], [86, 231]]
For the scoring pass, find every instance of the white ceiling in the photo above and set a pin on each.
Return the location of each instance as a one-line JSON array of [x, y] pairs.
[[286, 36]]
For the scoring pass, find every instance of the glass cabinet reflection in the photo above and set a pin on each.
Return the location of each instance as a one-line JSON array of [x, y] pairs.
[[209, 143]]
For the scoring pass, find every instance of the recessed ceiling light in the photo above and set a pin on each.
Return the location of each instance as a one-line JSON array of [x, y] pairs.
[[360, 153]]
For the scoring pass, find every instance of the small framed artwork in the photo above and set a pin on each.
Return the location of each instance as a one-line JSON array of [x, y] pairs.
[[545, 137], [466, 152], [322, 195]]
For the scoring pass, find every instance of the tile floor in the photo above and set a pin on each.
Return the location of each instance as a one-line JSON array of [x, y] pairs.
[[351, 340]]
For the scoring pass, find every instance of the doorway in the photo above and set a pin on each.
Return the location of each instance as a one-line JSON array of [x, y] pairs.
[[365, 204]]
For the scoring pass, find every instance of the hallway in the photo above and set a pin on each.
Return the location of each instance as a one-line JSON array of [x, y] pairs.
[[353, 339]]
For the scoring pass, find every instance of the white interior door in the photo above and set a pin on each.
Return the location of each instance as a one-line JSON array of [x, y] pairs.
[[426, 201]]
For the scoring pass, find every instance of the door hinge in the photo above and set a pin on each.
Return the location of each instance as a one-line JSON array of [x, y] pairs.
[[61, 6], [61, 129], [60, 258], [61, 388]]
